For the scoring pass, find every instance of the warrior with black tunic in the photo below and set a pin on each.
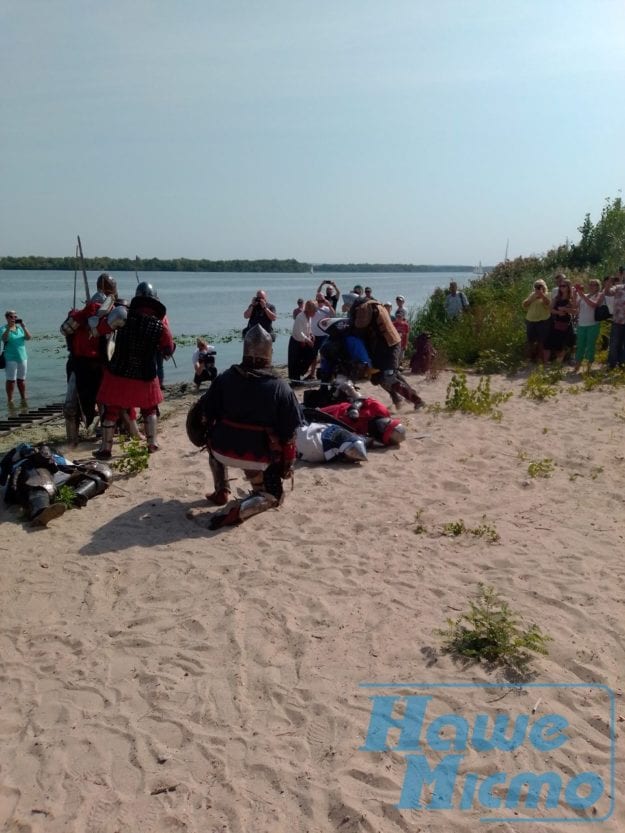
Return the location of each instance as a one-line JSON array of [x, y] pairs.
[[130, 380], [248, 419], [86, 358]]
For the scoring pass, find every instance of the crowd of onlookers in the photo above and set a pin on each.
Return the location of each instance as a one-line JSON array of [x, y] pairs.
[[566, 321]]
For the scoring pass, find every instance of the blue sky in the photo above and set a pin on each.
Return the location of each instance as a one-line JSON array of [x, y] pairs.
[[352, 130]]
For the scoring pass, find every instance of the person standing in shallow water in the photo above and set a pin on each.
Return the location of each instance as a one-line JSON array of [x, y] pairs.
[[14, 336]]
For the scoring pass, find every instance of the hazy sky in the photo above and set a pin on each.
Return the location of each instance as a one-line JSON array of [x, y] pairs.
[[424, 131]]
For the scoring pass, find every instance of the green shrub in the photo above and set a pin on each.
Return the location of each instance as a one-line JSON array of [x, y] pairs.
[[478, 401], [136, 456], [66, 495], [539, 385], [492, 632]]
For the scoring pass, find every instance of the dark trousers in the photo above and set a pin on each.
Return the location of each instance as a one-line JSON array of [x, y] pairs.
[[300, 358]]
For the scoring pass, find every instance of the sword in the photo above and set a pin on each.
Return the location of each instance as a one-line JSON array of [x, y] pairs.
[[84, 272]]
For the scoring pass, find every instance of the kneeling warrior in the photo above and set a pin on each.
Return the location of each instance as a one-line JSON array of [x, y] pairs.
[[248, 419], [33, 474], [130, 380]]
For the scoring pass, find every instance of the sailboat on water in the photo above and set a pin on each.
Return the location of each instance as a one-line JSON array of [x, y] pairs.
[[478, 271]]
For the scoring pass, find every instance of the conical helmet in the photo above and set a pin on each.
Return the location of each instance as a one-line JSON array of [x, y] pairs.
[[257, 344], [145, 290]]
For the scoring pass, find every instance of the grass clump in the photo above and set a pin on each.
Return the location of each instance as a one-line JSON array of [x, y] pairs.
[[66, 495], [484, 530], [136, 456], [540, 385], [541, 468], [480, 401], [491, 632]]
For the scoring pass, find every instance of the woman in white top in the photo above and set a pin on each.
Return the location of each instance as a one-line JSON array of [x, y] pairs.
[[587, 327]]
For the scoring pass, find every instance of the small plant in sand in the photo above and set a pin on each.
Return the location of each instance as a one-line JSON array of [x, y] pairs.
[[454, 528], [66, 495], [541, 468], [136, 456], [492, 632], [420, 527], [480, 401], [484, 530], [540, 385]]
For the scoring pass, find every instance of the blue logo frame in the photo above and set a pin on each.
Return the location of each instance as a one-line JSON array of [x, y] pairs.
[[373, 737]]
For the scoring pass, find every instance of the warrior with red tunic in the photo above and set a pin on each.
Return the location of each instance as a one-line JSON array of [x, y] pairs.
[[130, 380], [86, 359]]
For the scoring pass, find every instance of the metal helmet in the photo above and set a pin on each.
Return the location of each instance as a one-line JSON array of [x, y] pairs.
[[107, 284], [146, 290], [388, 431], [355, 451], [258, 344]]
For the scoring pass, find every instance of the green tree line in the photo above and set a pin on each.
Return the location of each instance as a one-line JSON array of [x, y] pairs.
[[183, 264]]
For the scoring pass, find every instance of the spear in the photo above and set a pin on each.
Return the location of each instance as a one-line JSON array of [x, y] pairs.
[[75, 275], [84, 272]]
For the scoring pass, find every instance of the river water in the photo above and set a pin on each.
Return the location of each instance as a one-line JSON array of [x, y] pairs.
[[198, 303]]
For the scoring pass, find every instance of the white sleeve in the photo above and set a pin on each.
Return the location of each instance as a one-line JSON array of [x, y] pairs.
[[301, 327]]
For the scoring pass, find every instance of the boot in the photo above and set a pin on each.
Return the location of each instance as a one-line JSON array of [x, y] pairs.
[[71, 429], [221, 495], [402, 388], [151, 423], [108, 432], [243, 509], [40, 510]]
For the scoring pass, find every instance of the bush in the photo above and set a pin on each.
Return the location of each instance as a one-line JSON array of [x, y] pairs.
[[492, 632]]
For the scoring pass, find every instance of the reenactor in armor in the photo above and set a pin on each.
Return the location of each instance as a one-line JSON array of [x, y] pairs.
[[247, 419], [86, 357], [130, 380], [33, 474], [372, 323]]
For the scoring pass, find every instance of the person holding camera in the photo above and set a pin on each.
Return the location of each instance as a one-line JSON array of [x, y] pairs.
[[260, 311], [537, 308], [14, 336]]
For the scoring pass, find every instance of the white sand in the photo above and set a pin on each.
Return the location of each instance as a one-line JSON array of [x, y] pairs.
[[155, 676]]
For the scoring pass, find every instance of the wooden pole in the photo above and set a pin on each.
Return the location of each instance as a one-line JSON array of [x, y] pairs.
[[84, 271], [75, 274]]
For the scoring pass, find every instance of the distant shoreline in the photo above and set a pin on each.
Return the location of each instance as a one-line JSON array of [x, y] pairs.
[[69, 264]]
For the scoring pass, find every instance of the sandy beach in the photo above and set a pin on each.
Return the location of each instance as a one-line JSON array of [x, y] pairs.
[[156, 676]]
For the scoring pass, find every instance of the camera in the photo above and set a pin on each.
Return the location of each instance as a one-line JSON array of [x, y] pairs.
[[18, 321]]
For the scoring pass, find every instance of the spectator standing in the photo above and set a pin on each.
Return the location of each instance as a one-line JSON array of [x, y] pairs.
[[456, 302], [302, 343], [587, 327], [260, 311], [537, 308], [403, 328], [616, 350], [14, 335], [400, 301], [299, 308], [332, 293]]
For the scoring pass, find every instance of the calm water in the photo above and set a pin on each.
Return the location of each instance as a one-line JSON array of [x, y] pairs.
[[209, 304]]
